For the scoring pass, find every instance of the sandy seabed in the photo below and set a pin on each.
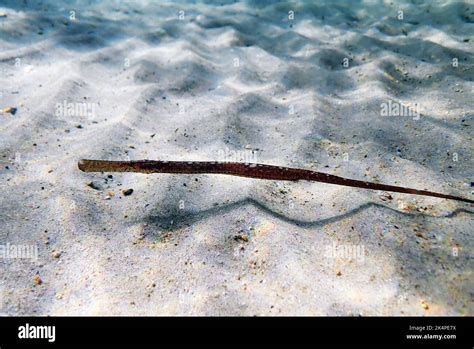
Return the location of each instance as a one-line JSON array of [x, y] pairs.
[[357, 89]]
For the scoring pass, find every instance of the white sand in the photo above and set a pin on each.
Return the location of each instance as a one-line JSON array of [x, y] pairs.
[[236, 82]]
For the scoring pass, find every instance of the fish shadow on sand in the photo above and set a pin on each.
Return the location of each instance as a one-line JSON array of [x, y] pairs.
[[414, 263]]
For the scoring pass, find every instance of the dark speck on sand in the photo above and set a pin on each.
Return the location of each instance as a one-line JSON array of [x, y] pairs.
[[127, 192]]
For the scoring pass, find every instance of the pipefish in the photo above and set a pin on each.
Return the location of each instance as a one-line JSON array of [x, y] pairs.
[[250, 170]]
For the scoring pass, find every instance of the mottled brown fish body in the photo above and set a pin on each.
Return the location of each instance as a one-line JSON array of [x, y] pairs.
[[249, 170]]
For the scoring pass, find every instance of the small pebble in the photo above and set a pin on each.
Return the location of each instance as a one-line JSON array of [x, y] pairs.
[[37, 280], [385, 196], [93, 185], [127, 192], [11, 110], [242, 237]]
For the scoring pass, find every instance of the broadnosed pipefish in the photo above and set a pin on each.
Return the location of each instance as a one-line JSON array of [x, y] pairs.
[[250, 170]]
